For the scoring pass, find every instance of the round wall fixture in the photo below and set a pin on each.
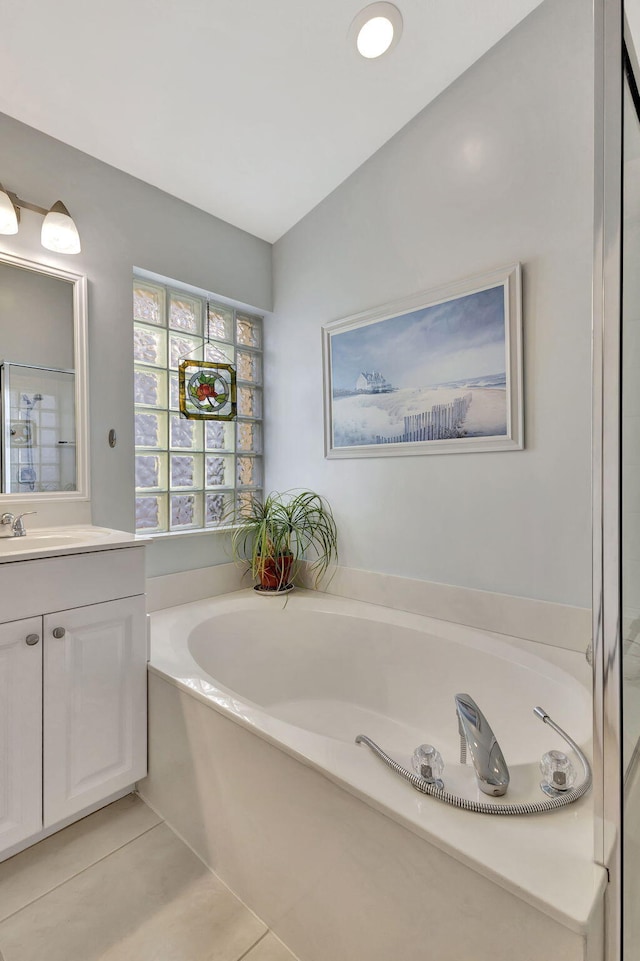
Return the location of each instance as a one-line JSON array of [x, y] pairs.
[[376, 30]]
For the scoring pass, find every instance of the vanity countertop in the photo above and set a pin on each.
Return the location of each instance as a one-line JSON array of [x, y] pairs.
[[72, 539]]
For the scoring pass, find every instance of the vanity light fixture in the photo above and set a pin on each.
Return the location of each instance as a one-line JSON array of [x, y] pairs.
[[376, 30], [9, 215], [59, 232]]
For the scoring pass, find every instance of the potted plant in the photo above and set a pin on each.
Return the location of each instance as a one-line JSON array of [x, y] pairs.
[[275, 534]]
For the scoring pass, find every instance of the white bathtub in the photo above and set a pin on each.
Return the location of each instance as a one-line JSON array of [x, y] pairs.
[[306, 674]]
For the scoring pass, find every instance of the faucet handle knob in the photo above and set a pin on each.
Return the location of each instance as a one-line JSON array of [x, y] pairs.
[[427, 762], [7, 518], [558, 772]]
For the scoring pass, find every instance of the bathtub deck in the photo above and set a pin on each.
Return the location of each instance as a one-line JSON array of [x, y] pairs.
[[120, 886], [311, 682]]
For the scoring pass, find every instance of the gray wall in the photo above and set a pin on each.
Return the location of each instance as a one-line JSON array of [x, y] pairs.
[[123, 223], [36, 318], [498, 169]]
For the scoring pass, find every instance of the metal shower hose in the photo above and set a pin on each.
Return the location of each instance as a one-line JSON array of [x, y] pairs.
[[480, 807]]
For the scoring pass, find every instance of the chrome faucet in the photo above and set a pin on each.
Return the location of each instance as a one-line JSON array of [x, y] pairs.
[[17, 524], [476, 735]]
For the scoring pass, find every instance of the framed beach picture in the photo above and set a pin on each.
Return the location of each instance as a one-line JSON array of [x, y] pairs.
[[439, 372]]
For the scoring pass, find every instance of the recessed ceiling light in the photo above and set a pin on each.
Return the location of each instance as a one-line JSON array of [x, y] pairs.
[[376, 30]]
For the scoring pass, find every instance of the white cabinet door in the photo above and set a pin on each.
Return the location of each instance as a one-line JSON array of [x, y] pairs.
[[20, 730], [95, 702]]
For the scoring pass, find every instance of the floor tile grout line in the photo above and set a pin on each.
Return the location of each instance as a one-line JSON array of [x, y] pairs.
[[200, 858], [77, 874], [254, 945], [208, 867]]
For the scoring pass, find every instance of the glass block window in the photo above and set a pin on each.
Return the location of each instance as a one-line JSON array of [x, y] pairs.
[[189, 474]]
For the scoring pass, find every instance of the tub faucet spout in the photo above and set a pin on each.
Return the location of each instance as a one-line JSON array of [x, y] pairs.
[[476, 735]]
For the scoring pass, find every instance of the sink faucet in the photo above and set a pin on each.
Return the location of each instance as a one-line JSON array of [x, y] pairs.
[[476, 735], [17, 524]]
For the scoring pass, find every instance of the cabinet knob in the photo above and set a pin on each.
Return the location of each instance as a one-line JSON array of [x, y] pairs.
[[32, 639], [58, 632]]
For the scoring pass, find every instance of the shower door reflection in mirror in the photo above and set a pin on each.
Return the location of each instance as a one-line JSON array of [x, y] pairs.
[[38, 452], [43, 384], [630, 519]]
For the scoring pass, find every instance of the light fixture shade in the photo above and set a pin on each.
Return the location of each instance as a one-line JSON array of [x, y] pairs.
[[8, 214], [59, 232], [376, 29], [375, 37]]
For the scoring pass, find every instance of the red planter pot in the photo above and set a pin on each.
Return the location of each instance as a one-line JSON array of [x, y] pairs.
[[276, 572]]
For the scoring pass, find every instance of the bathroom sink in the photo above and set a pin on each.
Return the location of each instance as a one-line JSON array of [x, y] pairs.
[[62, 540], [35, 539]]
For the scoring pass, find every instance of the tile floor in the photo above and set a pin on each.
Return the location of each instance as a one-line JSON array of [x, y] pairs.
[[120, 886]]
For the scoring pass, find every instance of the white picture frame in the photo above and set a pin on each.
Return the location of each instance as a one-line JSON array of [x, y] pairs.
[[415, 376]]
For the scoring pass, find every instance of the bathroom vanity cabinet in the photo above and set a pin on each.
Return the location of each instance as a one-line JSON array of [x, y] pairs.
[[73, 653]]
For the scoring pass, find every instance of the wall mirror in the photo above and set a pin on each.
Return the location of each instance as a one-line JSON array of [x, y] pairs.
[[43, 381]]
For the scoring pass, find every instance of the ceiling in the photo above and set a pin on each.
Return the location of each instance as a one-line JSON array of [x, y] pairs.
[[251, 110]]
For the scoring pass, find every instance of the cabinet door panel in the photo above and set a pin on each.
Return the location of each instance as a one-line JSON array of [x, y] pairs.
[[94, 704], [20, 731]]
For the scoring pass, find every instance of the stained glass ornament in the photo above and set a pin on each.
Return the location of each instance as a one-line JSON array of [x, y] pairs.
[[207, 391]]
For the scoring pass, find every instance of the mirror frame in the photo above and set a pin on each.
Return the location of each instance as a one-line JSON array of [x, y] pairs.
[[80, 360]]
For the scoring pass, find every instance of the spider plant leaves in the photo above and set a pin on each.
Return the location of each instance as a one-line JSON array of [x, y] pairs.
[[295, 523]]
